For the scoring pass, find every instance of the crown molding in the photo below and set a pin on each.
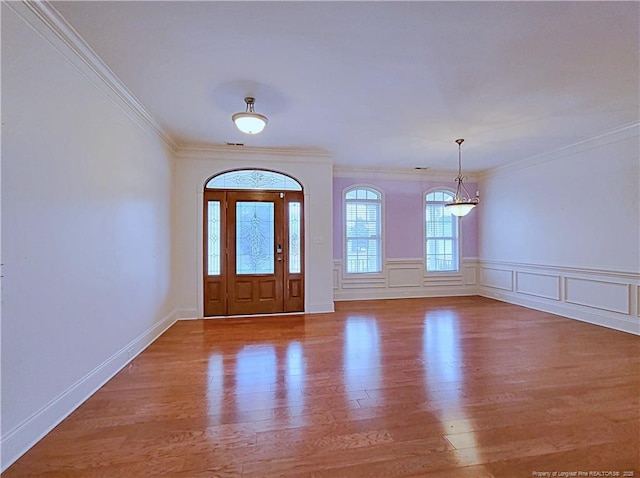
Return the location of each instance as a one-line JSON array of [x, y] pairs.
[[223, 151], [45, 20], [400, 174], [610, 136]]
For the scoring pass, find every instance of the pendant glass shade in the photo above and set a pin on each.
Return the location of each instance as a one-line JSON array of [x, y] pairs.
[[249, 121], [460, 209]]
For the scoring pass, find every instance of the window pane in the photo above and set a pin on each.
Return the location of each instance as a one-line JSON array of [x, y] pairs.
[[254, 238], [363, 231], [254, 179], [294, 237], [441, 232], [363, 256], [213, 238]]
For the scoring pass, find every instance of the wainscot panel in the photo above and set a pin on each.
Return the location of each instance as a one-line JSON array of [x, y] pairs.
[[496, 278], [407, 276], [607, 298], [470, 274], [539, 285], [600, 294], [404, 278]]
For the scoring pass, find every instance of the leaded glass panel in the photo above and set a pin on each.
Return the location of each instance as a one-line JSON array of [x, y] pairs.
[[255, 179], [254, 237], [213, 238], [294, 238]]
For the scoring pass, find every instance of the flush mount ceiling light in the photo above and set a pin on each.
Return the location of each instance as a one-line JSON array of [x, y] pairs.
[[462, 203], [249, 121]]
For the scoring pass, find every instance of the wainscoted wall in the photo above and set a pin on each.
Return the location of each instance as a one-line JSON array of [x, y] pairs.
[[601, 297], [402, 278], [560, 232], [403, 224], [607, 298]]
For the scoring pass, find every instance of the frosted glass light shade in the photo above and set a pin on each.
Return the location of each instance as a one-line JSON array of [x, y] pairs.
[[460, 208], [250, 123]]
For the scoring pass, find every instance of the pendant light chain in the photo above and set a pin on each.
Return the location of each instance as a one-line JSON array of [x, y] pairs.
[[459, 178]]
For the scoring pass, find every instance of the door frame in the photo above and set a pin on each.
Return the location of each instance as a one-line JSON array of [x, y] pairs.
[[294, 284]]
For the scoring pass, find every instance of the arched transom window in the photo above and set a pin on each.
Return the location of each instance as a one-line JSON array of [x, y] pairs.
[[254, 179]]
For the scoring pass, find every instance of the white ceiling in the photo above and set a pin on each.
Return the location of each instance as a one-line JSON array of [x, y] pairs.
[[377, 84]]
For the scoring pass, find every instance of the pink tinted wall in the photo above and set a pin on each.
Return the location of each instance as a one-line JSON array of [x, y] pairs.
[[403, 216]]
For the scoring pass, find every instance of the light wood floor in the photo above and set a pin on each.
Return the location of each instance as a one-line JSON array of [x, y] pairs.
[[455, 387]]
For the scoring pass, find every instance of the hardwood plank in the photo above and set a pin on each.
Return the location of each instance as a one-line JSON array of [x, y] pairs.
[[447, 387]]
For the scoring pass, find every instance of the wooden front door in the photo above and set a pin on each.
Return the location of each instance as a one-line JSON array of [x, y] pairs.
[[253, 252]]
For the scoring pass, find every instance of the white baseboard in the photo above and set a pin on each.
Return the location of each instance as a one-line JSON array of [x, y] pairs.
[[319, 308], [21, 438], [404, 293]]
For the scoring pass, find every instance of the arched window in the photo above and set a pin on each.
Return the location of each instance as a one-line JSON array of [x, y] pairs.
[[363, 230], [441, 233], [253, 179]]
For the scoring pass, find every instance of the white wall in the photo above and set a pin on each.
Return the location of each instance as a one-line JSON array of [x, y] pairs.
[[314, 171], [86, 234], [562, 233]]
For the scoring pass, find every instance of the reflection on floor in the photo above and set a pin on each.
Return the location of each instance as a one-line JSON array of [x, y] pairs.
[[448, 387]]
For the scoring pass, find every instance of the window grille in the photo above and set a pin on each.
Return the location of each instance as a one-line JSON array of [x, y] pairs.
[[441, 234], [363, 230]]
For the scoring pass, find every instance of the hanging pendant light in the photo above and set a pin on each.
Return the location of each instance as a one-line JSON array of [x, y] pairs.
[[462, 203], [249, 121]]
